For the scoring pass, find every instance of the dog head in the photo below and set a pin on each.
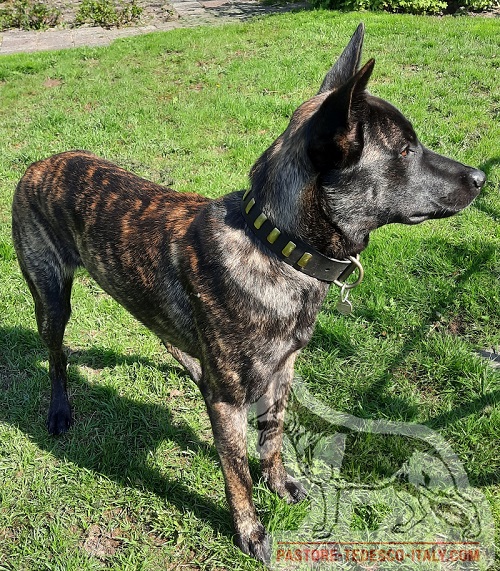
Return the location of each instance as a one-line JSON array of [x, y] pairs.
[[350, 162]]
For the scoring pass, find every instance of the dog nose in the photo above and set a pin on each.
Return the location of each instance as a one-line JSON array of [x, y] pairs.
[[478, 178]]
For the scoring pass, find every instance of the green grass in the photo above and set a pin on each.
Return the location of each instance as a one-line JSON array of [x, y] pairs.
[[136, 483]]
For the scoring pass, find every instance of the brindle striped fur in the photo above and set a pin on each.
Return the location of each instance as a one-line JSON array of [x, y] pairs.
[[187, 267]]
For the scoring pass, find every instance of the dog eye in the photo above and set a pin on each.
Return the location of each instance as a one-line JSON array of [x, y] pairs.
[[406, 151]]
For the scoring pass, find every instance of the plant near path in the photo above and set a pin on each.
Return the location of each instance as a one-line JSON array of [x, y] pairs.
[[27, 15], [106, 14], [409, 6]]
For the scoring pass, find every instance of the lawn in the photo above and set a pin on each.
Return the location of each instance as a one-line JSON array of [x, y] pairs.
[[135, 484]]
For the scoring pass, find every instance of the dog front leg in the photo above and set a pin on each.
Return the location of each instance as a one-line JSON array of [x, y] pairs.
[[229, 425], [270, 418]]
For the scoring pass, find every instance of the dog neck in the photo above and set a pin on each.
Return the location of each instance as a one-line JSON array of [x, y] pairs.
[[293, 250], [288, 190], [317, 225]]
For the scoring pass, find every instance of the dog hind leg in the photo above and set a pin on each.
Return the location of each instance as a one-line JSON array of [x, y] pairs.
[[52, 306], [50, 280]]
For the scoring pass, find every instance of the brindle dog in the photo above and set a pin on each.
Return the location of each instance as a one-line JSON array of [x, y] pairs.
[[230, 306]]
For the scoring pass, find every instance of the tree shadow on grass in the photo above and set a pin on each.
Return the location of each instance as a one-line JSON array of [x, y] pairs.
[[247, 9], [113, 435]]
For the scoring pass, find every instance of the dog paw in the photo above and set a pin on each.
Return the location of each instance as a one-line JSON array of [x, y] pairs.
[[295, 490], [59, 420], [288, 488], [256, 544]]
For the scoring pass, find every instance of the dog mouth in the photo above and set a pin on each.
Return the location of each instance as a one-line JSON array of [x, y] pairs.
[[419, 217]]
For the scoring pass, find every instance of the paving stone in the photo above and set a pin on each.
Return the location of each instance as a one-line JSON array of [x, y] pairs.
[[492, 356], [214, 3], [10, 46], [183, 7]]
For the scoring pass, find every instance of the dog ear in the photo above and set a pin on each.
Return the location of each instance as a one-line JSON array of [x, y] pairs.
[[334, 137], [347, 64]]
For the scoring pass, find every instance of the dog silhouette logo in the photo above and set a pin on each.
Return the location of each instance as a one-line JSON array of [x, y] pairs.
[[380, 494]]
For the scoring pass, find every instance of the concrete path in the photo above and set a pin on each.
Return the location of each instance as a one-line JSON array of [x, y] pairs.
[[188, 13]]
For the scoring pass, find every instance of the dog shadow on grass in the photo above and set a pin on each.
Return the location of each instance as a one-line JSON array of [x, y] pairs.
[[112, 434], [470, 259], [115, 435]]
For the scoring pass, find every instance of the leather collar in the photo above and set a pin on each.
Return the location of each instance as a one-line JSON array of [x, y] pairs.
[[294, 251]]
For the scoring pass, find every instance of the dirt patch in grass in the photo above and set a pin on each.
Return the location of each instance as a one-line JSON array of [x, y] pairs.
[[100, 543]]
